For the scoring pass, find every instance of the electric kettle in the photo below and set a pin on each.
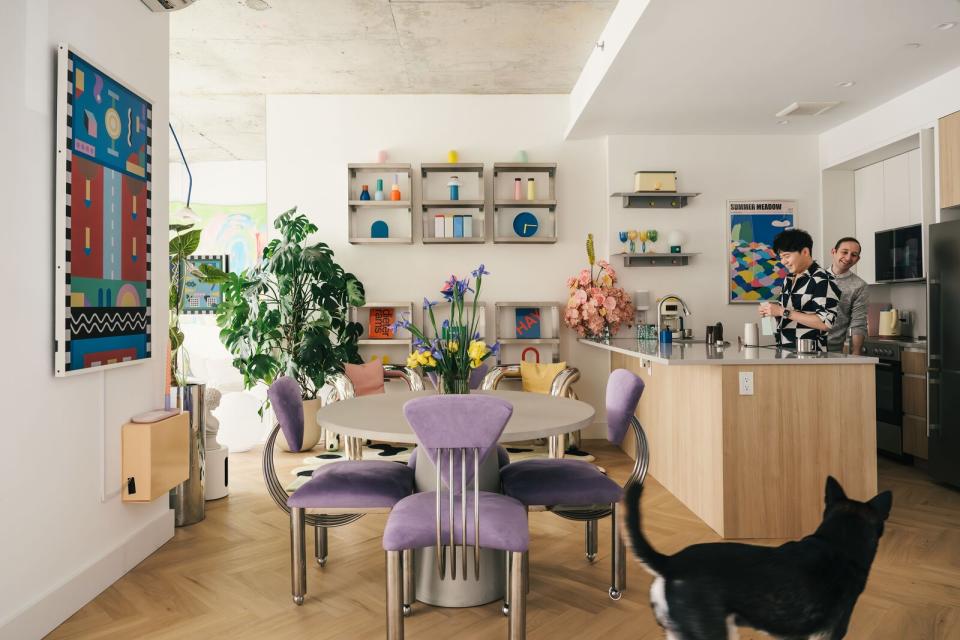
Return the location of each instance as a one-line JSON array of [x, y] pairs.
[[889, 323]]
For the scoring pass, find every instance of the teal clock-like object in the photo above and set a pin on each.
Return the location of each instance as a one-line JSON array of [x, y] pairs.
[[525, 224]]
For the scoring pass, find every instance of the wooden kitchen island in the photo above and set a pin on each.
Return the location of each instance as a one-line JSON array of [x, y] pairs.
[[753, 466]]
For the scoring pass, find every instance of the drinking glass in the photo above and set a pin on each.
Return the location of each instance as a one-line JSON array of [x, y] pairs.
[[643, 240], [652, 236], [632, 235], [623, 239]]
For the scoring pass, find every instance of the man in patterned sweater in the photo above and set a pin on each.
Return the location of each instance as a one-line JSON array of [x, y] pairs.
[[808, 295]]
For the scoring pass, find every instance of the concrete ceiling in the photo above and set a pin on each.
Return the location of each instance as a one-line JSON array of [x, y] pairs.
[[226, 56], [727, 67]]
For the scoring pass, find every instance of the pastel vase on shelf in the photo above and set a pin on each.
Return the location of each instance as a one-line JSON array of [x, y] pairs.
[[378, 195], [452, 156], [365, 192], [623, 238], [454, 185], [381, 157], [531, 189], [521, 156], [517, 189], [395, 189]]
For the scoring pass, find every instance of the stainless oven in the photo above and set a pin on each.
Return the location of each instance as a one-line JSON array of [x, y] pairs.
[[889, 395]]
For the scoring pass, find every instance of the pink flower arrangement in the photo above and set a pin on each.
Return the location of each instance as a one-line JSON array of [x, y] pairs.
[[595, 302]]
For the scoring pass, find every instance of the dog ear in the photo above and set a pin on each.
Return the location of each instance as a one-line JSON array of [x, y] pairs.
[[881, 503], [833, 492]]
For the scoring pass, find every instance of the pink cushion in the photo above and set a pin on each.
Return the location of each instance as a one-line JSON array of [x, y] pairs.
[[367, 378]]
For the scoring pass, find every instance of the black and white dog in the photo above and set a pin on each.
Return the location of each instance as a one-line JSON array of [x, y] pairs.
[[800, 590]]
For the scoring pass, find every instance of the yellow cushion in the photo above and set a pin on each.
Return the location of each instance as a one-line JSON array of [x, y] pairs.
[[538, 377]]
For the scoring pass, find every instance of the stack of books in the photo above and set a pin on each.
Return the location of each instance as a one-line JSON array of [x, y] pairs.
[[453, 226]]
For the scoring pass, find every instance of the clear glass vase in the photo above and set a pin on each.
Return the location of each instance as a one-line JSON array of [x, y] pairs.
[[455, 383]]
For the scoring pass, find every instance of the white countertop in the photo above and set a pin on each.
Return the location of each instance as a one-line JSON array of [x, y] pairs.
[[679, 353]]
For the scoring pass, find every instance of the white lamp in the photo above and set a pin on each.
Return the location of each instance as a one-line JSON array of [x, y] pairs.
[[675, 239]]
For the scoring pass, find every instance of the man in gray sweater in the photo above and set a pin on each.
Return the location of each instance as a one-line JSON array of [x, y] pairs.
[[852, 311]]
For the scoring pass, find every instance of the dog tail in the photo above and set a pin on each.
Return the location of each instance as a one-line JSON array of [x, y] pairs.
[[656, 561]]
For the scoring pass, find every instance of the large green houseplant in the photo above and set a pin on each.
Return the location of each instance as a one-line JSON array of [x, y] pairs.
[[183, 243], [289, 314]]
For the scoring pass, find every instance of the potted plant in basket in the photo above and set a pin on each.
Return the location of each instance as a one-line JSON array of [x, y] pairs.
[[289, 315], [596, 307], [456, 348]]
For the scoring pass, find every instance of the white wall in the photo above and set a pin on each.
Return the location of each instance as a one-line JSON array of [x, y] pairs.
[[224, 182], [720, 168], [310, 140], [61, 543]]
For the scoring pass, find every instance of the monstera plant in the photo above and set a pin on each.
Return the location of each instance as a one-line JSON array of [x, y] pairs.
[[289, 314]]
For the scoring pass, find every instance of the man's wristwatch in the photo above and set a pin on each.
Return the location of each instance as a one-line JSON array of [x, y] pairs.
[[787, 313]]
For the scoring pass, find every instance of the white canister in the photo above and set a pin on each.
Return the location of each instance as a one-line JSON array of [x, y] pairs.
[[751, 334]]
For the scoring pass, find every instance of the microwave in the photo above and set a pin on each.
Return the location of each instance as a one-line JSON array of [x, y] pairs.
[[899, 254]]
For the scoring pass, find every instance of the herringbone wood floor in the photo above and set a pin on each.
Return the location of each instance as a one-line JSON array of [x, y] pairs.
[[229, 576]]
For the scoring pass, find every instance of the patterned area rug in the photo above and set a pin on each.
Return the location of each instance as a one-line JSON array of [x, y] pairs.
[[401, 453]]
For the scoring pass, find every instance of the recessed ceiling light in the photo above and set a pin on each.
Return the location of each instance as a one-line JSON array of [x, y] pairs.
[[946, 26], [783, 122], [912, 45], [846, 84]]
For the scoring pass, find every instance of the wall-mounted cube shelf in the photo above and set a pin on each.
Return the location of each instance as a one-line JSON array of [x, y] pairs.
[[155, 457], [514, 349], [441, 312], [506, 204], [654, 199], [396, 214], [395, 348], [436, 202], [654, 259]]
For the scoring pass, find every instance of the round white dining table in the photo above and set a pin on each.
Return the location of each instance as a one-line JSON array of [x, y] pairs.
[[380, 417]]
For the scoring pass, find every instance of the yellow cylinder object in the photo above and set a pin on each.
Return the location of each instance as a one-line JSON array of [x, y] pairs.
[[531, 189], [452, 156]]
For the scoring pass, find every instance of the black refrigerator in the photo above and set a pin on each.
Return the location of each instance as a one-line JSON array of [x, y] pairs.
[[943, 343]]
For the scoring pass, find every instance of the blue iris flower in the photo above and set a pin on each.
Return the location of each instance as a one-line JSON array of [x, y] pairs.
[[480, 271]]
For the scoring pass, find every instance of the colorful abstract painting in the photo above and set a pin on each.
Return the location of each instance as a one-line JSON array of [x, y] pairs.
[[103, 241], [755, 271], [199, 296], [239, 231]]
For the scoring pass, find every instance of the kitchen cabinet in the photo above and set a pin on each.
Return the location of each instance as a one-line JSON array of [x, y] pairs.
[[914, 393], [950, 160], [887, 195], [868, 187]]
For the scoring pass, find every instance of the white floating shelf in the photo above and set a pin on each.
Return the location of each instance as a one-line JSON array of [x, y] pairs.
[[357, 240], [385, 341]]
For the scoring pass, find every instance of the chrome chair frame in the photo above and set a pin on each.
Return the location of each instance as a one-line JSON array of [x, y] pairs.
[[562, 388], [341, 389], [398, 562]]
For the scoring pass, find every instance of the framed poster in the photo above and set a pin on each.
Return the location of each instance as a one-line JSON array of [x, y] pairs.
[[754, 270], [199, 296], [103, 216]]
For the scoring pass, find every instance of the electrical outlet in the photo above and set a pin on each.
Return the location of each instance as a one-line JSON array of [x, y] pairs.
[[746, 383]]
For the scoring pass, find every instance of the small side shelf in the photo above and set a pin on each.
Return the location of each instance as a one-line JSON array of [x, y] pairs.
[[393, 217], [654, 199], [441, 311], [549, 168], [451, 204], [511, 321], [655, 259], [524, 204], [524, 189], [383, 341]]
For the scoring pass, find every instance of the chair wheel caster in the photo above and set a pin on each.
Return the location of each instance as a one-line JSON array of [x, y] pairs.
[[614, 594], [321, 562], [591, 557], [298, 600], [505, 610], [407, 611]]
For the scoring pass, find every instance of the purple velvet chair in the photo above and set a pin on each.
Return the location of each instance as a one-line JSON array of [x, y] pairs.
[[337, 493], [578, 490], [457, 432], [338, 388]]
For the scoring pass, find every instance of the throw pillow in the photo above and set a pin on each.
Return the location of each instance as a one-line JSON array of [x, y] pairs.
[[538, 377], [367, 378]]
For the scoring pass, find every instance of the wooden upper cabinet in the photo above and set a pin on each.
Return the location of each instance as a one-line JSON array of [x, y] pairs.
[[950, 160]]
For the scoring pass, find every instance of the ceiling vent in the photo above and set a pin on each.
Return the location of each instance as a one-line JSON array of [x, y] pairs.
[[806, 109], [163, 6]]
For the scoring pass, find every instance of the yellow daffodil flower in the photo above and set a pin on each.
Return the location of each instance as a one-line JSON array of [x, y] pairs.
[[453, 346]]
